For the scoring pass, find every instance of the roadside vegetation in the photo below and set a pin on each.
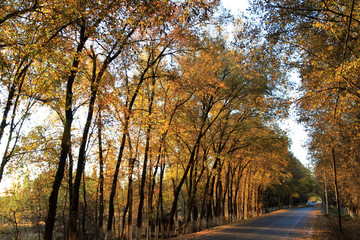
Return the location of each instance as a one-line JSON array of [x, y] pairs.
[[327, 227], [323, 39]]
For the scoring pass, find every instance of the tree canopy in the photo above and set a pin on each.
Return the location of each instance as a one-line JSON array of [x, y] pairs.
[[322, 38]]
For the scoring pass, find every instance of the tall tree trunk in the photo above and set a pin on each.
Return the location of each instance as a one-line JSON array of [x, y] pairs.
[[326, 197], [192, 224], [160, 208], [115, 178], [74, 205], [226, 190], [129, 198], [101, 179], [219, 195], [190, 201], [128, 112], [336, 188], [66, 139], [151, 194], [70, 180], [146, 157], [244, 202], [230, 195], [179, 186], [211, 205], [83, 227], [206, 200], [235, 204]]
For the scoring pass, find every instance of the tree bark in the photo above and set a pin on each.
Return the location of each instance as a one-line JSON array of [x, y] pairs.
[[101, 179], [74, 205], [146, 157], [179, 186], [128, 207], [336, 188], [125, 132], [66, 139]]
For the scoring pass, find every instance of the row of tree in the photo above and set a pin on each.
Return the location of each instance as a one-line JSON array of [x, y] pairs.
[[138, 118], [323, 37]]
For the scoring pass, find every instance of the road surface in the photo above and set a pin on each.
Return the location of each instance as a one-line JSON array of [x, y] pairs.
[[293, 223]]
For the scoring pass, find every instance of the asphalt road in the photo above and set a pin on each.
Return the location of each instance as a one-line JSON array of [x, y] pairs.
[[284, 224]]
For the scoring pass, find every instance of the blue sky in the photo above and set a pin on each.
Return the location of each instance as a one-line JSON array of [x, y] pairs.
[[295, 131]]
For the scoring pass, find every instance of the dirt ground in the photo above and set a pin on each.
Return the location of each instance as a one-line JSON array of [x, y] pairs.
[[327, 227]]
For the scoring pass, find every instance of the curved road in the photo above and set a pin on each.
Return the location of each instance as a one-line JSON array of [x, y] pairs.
[[283, 224]]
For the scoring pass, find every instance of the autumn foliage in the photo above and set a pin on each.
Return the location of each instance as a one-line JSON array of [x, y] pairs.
[[323, 38], [126, 119]]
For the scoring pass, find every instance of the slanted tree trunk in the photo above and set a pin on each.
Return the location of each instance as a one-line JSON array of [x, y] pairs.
[[18, 80], [74, 205], [127, 118], [207, 197], [144, 170], [179, 186], [115, 178], [151, 196], [16, 86], [66, 138], [7, 152]]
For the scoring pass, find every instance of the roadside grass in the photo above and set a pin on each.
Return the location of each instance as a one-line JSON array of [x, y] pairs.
[[327, 227]]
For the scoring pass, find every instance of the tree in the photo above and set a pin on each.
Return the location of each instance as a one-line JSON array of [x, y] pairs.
[[323, 37]]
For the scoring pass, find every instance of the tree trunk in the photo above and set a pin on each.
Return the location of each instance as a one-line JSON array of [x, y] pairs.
[[206, 201], [128, 112], [128, 207], [219, 195], [210, 206], [151, 196], [160, 209], [326, 197], [65, 141], [74, 205], [336, 189], [179, 186], [146, 157], [19, 79], [83, 227], [101, 179]]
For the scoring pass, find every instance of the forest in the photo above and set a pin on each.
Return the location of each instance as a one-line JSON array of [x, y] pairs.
[[148, 119]]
